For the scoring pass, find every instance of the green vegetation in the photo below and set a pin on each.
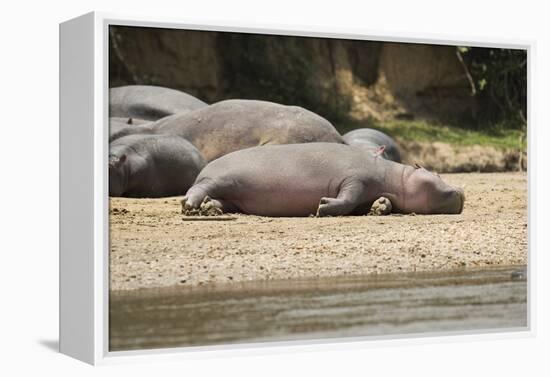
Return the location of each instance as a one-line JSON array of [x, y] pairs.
[[498, 79], [419, 130]]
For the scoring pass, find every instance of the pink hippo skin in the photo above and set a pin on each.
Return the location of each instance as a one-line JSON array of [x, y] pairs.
[[326, 179]]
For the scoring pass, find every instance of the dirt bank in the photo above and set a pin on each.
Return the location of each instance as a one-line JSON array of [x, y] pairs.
[[151, 246], [448, 158]]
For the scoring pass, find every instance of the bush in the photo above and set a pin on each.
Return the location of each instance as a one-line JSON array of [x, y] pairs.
[[499, 80]]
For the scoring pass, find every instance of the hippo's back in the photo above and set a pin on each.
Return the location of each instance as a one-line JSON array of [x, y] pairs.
[[120, 127], [232, 125], [372, 139], [165, 150], [150, 102]]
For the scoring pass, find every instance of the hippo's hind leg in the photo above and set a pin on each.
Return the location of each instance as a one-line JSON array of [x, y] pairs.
[[193, 198], [222, 205], [199, 201], [347, 200], [188, 203]]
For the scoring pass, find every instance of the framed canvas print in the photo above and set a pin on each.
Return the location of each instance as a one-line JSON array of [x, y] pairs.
[[226, 187]]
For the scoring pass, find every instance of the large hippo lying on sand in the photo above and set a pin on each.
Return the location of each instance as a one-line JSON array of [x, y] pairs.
[[324, 178], [232, 125], [374, 141], [150, 102], [120, 127], [149, 166]]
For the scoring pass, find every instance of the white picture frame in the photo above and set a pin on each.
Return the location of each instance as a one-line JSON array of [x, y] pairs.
[[84, 243]]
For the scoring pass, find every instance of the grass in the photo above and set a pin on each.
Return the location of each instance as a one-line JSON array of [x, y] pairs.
[[419, 130]]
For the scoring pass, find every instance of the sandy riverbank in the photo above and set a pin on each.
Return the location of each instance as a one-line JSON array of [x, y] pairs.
[[151, 246]]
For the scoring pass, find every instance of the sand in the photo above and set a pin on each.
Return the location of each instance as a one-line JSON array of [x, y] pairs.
[[152, 246]]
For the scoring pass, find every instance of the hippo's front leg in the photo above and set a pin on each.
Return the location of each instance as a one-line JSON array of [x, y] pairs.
[[349, 197]]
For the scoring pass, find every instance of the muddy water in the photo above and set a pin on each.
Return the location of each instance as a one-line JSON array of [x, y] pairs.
[[319, 308]]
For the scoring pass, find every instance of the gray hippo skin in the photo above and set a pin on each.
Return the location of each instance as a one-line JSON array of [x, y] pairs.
[[324, 178], [232, 125], [152, 166], [150, 102], [371, 140], [120, 127]]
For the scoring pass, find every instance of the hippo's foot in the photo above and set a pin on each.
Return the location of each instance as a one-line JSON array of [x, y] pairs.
[[186, 207], [334, 207], [208, 207], [322, 204], [381, 207]]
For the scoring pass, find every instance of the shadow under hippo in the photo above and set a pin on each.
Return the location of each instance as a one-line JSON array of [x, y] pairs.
[[232, 125], [326, 179]]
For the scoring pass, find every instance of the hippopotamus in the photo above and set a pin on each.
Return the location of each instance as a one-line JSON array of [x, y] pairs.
[[326, 179], [374, 141], [150, 102], [151, 166], [119, 127], [231, 125]]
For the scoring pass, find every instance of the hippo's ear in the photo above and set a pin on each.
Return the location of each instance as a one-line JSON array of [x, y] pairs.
[[130, 121], [116, 161], [417, 166]]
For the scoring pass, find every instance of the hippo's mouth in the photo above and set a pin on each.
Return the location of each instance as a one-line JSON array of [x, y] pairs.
[[453, 205], [458, 208]]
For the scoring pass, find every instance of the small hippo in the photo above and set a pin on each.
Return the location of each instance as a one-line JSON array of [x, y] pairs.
[[232, 125], [150, 102], [151, 166], [374, 142], [326, 179], [119, 127]]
